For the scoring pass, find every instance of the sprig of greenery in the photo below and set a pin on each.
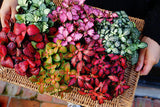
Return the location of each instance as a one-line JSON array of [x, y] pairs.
[[121, 37], [35, 12]]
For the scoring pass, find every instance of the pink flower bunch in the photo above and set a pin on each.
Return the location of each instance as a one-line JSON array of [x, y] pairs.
[[77, 20]]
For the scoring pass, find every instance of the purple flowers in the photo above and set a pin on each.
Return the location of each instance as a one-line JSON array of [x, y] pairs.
[[77, 20]]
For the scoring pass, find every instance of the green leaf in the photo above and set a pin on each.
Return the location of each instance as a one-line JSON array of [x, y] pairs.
[[67, 67], [34, 44], [22, 2], [126, 32], [36, 1], [41, 89], [37, 14], [20, 18], [56, 58], [120, 31], [47, 1], [30, 17], [17, 8], [56, 85], [49, 60], [33, 79], [57, 78], [44, 19], [46, 11], [142, 45], [134, 58], [42, 7], [63, 87], [41, 79], [133, 47], [42, 72], [128, 51], [63, 49], [123, 39], [32, 8], [45, 27], [50, 88], [41, 52], [48, 80], [72, 48], [66, 78]]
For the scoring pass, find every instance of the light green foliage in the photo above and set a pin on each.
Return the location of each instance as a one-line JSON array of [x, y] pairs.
[[121, 37], [35, 12]]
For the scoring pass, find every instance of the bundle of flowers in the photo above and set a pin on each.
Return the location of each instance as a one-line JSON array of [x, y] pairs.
[[78, 45]]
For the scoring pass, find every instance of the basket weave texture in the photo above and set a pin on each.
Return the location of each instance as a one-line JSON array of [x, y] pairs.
[[124, 100]]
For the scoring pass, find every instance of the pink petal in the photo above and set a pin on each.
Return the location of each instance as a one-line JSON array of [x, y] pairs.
[[55, 40], [81, 12], [89, 25], [106, 12], [77, 7], [88, 40], [81, 26], [72, 35], [81, 2], [65, 33], [95, 12], [75, 17], [83, 16], [66, 1], [95, 37], [70, 28], [65, 5], [77, 36], [74, 12], [63, 10], [90, 32], [91, 19], [64, 43], [61, 29], [58, 9], [101, 13], [69, 16], [110, 19], [60, 36], [54, 12], [85, 20], [114, 15], [63, 17], [86, 7], [69, 39], [99, 19], [53, 16], [50, 16], [72, 43], [75, 23]]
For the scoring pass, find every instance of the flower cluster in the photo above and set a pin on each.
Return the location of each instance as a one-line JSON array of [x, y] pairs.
[[77, 21]]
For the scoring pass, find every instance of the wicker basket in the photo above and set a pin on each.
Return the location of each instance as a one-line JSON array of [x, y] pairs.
[[124, 100]]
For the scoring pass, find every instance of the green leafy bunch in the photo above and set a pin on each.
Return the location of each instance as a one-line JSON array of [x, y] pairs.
[[56, 68], [121, 37], [35, 12]]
